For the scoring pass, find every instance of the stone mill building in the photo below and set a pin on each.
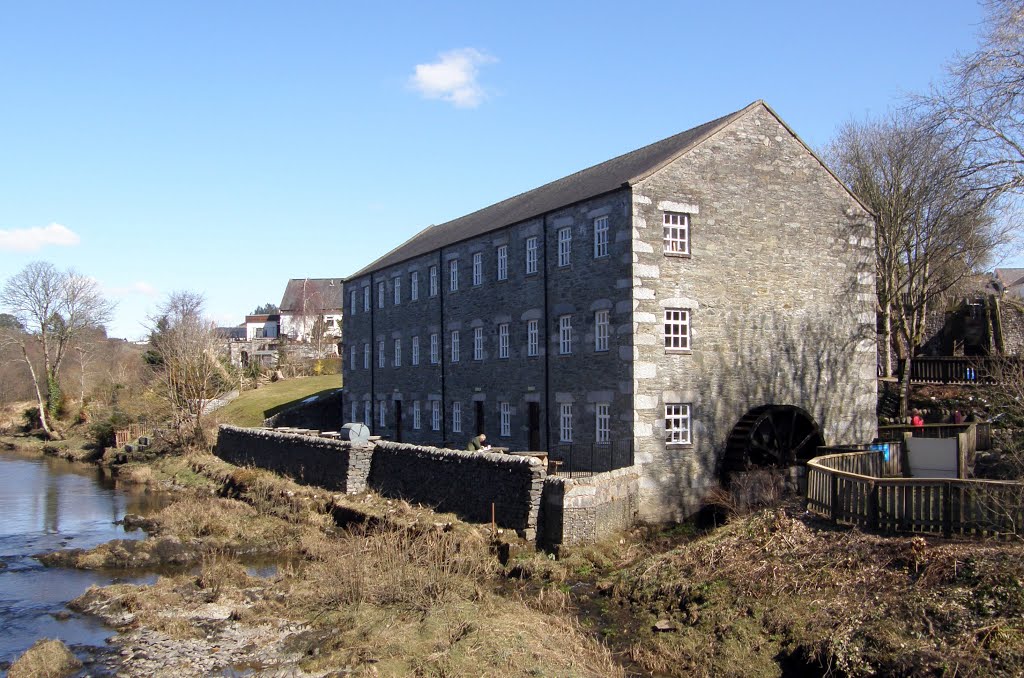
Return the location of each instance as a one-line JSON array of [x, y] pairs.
[[695, 305]]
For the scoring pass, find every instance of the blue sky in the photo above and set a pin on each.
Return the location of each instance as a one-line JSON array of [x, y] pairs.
[[225, 147]]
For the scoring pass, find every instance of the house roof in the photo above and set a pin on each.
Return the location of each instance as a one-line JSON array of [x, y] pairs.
[[262, 318], [1012, 279], [624, 170], [323, 294]]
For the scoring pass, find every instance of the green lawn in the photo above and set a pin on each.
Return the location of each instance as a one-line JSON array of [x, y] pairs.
[[252, 407]]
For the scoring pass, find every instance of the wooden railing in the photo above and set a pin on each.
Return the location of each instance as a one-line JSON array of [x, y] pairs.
[[123, 436], [981, 431], [847, 488], [959, 369]]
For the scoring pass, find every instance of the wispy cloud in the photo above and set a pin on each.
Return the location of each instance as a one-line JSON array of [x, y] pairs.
[[37, 237], [453, 77]]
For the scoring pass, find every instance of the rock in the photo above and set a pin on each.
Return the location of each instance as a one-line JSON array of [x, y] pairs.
[[664, 625], [61, 615]]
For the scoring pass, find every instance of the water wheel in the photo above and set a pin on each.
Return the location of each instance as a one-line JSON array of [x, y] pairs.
[[772, 435]]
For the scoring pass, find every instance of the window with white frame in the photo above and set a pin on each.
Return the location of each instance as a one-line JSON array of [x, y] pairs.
[[478, 343], [503, 262], [415, 350], [531, 255], [505, 412], [677, 233], [366, 298], [380, 353], [601, 330], [352, 358], [677, 423], [602, 423], [564, 246], [565, 422], [382, 413], [435, 415], [416, 415], [352, 302], [367, 407], [380, 294], [503, 340], [565, 334], [435, 351], [433, 281], [397, 362], [456, 416], [677, 329], [478, 268], [453, 275], [354, 412], [414, 286], [366, 356], [397, 283], [455, 346], [600, 237], [532, 338]]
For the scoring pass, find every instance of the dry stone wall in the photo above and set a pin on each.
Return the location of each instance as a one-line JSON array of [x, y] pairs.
[[587, 510]]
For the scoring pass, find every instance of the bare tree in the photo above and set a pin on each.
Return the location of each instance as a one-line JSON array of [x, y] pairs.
[[55, 308], [933, 227], [185, 357]]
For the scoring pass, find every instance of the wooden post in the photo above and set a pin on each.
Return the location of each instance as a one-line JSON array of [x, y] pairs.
[[947, 510], [873, 506], [835, 497]]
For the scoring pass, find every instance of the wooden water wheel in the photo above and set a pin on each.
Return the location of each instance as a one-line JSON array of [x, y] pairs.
[[772, 435]]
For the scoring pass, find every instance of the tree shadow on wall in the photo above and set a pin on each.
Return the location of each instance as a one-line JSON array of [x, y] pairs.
[[766, 358]]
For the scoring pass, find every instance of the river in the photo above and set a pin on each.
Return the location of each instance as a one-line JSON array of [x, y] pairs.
[[48, 504]]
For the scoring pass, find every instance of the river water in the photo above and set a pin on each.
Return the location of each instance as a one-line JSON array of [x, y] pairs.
[[48, 504]]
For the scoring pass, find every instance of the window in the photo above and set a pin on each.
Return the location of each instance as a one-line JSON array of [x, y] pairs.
[[398, 353], [565, 334], [601, 330], [435, 415], [532, 338], [531, 255], [503, 262], [603, 421], [677, 423], [352, 359], [478, 343], [506, 419], [380, 295], [382, 414], [433, 281], [453, 275], [503, 340], [456, 417], [380, 353], [600, 237], [397, 291], [677, 233], [415, 350], [564, 245], [478, 269], [366, 356], [677, 329], [414, 286], [455, 346], [352, 302], [366, 298], [366, 413], [565, 422], [434, 349], [354, 412], [416, 415]]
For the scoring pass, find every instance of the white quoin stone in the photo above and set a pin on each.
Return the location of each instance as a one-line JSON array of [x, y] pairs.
[[672, 206], [647, 271], [645, 370]]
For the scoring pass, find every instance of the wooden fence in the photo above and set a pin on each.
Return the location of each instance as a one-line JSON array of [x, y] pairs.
[[980, 431], [847, 487], [123, 436], [960, 369]]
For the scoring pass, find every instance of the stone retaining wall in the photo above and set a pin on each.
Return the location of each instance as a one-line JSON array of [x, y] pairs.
[[332, 464], [323, 414], [586, 510]]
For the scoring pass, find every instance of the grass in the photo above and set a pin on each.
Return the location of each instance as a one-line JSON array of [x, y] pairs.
[[252, 407], [46, 659]]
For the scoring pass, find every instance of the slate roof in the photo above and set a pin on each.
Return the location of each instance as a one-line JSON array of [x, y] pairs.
[[322, 293], [607, 176]]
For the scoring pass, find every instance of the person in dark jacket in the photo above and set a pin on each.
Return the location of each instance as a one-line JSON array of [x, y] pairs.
[[478, 443]]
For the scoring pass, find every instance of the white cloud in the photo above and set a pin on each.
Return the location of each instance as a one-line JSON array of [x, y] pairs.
[[453, 77], [31, 239]]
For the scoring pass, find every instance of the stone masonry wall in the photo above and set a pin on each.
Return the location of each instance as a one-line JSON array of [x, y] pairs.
[[586, 510], [331, 464], [323, 414]]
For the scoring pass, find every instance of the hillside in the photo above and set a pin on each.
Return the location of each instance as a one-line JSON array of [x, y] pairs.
[[252, 407]]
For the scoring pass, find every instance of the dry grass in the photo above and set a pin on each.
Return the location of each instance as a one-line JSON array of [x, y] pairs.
[[45, 659]]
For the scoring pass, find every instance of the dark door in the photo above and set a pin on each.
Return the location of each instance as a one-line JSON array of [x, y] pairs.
[[480, 417], [534, 426], [398, 421]]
